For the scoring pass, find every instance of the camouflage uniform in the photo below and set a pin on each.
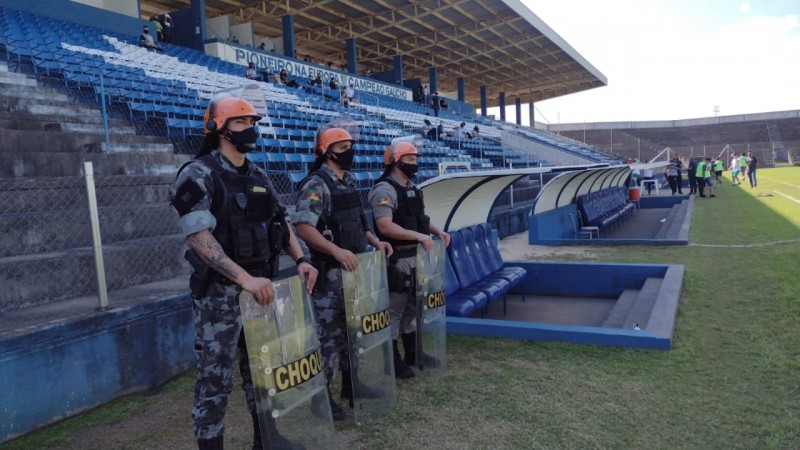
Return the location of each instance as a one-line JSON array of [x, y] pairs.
[[218, 322], [314, 200], [402, 305]]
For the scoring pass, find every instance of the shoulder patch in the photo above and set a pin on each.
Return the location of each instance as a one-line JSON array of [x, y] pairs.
[[312, 195], [187, 196]]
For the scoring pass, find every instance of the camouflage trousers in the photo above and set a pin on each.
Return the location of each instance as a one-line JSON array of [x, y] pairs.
[[328, 301], [219, 340], [403, 305]]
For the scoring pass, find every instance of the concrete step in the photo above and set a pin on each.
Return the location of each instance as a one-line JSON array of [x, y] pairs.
[[46, 278], [23, 120], [92, 128], [129, 147], [77, 142], [616, 317], [3, 66], [18, 79], [42, 164], [643, 306], [30, 195], [26, 233], [43, 102], [677, 220], [32, 95], [68, 112]]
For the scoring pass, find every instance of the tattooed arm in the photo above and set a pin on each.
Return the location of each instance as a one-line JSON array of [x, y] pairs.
[[208, 249]]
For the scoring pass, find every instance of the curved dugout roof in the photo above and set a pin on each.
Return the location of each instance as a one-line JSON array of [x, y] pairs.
[[565, 188], [464, 199], [497, 43]]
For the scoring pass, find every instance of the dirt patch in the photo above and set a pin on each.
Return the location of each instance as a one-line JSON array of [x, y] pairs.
[[516, 248]]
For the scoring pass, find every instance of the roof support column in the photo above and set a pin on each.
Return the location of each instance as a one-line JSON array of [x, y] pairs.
[[518, 104], [432, 80], [460, 83], [398, 69], [198, 9], [352, 64], [483, 101], [288, 36], [530, 113], [502, 99]]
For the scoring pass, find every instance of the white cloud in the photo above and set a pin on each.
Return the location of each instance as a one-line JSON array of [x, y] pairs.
[[744, 8]]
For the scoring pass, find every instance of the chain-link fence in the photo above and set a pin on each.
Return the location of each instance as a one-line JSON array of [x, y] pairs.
[[47, 253]]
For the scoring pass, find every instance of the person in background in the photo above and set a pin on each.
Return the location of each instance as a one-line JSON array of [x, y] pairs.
[[252, 73], [735, 168], [752, 165], [146, 40]]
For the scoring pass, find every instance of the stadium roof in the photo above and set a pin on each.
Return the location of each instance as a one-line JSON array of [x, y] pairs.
[[497, 43]]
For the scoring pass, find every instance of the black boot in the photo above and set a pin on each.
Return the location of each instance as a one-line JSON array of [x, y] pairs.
[[277, 440], [401, 370], [319, 407], [410, 347], [210, 444], [364, 390]]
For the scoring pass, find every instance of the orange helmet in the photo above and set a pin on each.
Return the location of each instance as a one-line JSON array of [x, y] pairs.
[[326, 138], [219, 111], [395, 151]]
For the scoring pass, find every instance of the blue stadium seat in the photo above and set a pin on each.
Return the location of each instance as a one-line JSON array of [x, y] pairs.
[[461, 302]]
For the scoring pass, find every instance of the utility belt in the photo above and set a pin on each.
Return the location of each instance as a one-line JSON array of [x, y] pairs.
[[398, 280]]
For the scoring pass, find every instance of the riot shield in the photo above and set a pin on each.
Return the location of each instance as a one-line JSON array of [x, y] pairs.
[[431, 312], [369, 338], [286, 366]]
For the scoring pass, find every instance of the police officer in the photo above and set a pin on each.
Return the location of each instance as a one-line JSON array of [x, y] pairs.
[[330, 219], [399, 212], [234, 229]]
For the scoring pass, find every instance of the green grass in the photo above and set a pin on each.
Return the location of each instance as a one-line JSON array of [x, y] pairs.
[[731, 381]]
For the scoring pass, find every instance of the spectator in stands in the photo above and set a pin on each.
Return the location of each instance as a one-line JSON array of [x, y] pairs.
[[369, 73], [459, 132], [435, 103], [146, 40], [307, 59], [691, 172], [419, 94], [221, 274], [316, 81], [439, 131], [348, 93], [332, 83], [235, 39], [424, 99], [399, 212], [159, 28], [752, 164], [169, 28], [334, 236], [735, 168], [443, 103], [262, 46], [429, 131], [252, 73], [476, 132], [284, 77]]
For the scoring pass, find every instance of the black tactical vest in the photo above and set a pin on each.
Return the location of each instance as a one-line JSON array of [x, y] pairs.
[[345, 226], [410, 212], [250, 221]]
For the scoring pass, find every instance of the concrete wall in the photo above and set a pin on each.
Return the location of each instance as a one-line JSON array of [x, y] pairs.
[[69, 367], [776, 115], [126, 7]]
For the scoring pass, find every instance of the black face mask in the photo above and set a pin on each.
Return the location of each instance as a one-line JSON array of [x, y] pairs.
[[146, 31], [344, 159], [410, 170], [244, 141]]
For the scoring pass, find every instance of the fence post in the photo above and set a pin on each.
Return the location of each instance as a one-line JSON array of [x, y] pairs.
[[102, 291], [105, 113]]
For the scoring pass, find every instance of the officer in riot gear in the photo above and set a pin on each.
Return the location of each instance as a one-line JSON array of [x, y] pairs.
[[235, 228], [330, 219], [399, 211]]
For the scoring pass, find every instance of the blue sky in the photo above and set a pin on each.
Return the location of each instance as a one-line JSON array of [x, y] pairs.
[[675, 59]]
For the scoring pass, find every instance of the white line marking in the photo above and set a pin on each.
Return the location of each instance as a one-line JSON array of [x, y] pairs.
[[761, 244], [781, 182], [788, 196]]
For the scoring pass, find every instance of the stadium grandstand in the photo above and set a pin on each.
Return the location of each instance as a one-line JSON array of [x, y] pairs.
[[773, 137], [79, 88]]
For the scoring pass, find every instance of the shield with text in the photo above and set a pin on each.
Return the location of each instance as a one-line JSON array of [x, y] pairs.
[[431, 312], [369, 338], [287, 371]]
